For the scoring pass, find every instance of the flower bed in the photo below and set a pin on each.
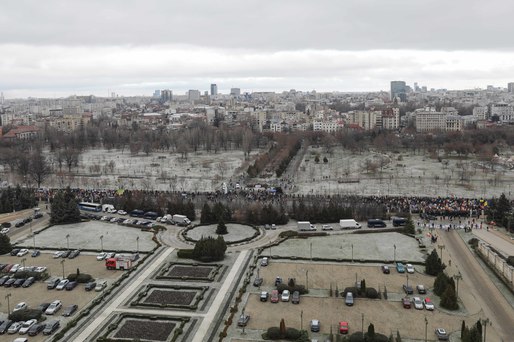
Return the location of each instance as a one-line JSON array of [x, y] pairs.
[[170, 296], [145, 330], [186, 271]]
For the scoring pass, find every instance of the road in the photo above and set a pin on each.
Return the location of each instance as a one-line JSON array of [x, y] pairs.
[[496, 239], [478, 290]]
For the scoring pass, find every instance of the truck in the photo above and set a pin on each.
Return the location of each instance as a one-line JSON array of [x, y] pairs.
[[349, 224], [181, 220], [305, 226], [118, 263]]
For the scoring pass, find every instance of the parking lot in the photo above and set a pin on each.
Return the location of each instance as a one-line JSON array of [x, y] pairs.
[[387, 315], [38, 292]]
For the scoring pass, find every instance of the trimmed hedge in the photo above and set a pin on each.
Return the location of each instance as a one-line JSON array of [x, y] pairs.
[[296, 287], [185, 253], [27, 274], [25, 315], [82, 278]]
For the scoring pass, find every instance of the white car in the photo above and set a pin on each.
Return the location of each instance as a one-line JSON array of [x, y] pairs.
[[410, 268], [4, 231], [53, 307], [112, 211], [22, 252], [62, 284], [418, 304], [13, 329], [105, 218], [428, 304], [15, 268], [26, 326], [326, 227], [113, 220], [20, 306], [40, 269], [122, 212], [101, 256], [285, 296], [57, 254], [110, 255]]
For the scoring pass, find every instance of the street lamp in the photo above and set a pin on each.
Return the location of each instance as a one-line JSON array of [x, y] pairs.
[[485, 323], [458, 277], [23, 262], [352, 252], [311, 250], [34, 240], [301, 320], [362, 325], [7, 296], [68, 241], [62, 263], [407, 275], [307, 279], [137, 244], [441, 247], [394, 253], [426, 325], [102, 242]]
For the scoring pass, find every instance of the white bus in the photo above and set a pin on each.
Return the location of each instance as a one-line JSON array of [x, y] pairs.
[[90, 206]]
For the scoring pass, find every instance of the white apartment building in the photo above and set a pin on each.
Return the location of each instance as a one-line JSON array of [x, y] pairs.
[[481, 113], [429, 120], [391, 118], [454, 123], [365, 119], [325, 126], [504, 111]]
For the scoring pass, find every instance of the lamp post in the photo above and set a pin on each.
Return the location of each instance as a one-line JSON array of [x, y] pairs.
[[441, 247], [68, 241], [7, 296], [362, 325], [485, 323], [352, 252], [34, 240], [407, 275], [394, 253], [311, 250], [62, 263], [307, 279], [23, 262], [137, 244], [270, 249], [458, 277], [426, 326], [301, 320], [102, 242]]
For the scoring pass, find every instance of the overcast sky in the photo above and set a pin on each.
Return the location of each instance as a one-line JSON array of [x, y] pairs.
[[56, 48]]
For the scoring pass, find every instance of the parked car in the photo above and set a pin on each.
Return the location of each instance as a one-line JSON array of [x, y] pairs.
[[18, 282], [410, 268], [14, 268], [52, 283], [15, 251], [349, 299], [70, 310], [264, 261], [100, 285], [28, 282], [428, 304], [50, 327], [343, 327], [71, 285], [257, 281], [90, 286], [9, 282], [75, 253], [101, 256], [385, 269], [5, 326], [22, 252], [4, 231], [408, 289], [441, 334], [418, 304], [243, 320], [274, 296], [295, 299], [278, 280], [65, 254], [285, 296], [406, 302], [3, 280], [326, 227], [26, 326], [400, 268], [36, 329], [20, 306], [315, 325], [264, 296], [36, 253], [54, 307], [62, 284], [421, 289], [43, 307], [15, 327], [57, 254]]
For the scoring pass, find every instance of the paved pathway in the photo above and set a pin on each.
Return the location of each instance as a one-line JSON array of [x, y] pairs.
[[212, 314], [497, 240], [123, 296]]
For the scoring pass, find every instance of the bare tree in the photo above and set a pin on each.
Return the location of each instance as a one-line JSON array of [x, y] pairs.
[[39, 168]]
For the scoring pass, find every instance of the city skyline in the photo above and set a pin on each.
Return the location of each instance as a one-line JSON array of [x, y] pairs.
[[56, 48]]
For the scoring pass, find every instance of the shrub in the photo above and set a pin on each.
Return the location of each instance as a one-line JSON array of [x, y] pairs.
[[296, 287], [80, 278], [27, 274], [510, 260], [273, 333], [292, 334], [288, 233], [473, 242], [185, 253], [6, 225], [25, 315], [371, 293]]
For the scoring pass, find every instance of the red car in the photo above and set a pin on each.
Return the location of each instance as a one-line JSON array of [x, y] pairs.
[[406, 303], [274, 296], [343, 327]]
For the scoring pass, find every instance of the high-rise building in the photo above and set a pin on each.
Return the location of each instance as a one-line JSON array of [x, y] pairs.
[[235, 91], [2, 98], [214, 89], [193, 95], [157, 93], [399, 89], [166, 95], [510, 87]]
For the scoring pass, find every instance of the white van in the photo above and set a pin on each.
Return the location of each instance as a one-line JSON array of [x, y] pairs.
[[349, 224]]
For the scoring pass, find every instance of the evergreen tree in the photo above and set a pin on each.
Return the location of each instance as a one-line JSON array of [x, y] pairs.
[[409, 227], [64, 208], [222, 228], [5, 244], [210, 249], [449, 298], [440, 283], [206, 215], [371, 333], [433, 264]]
